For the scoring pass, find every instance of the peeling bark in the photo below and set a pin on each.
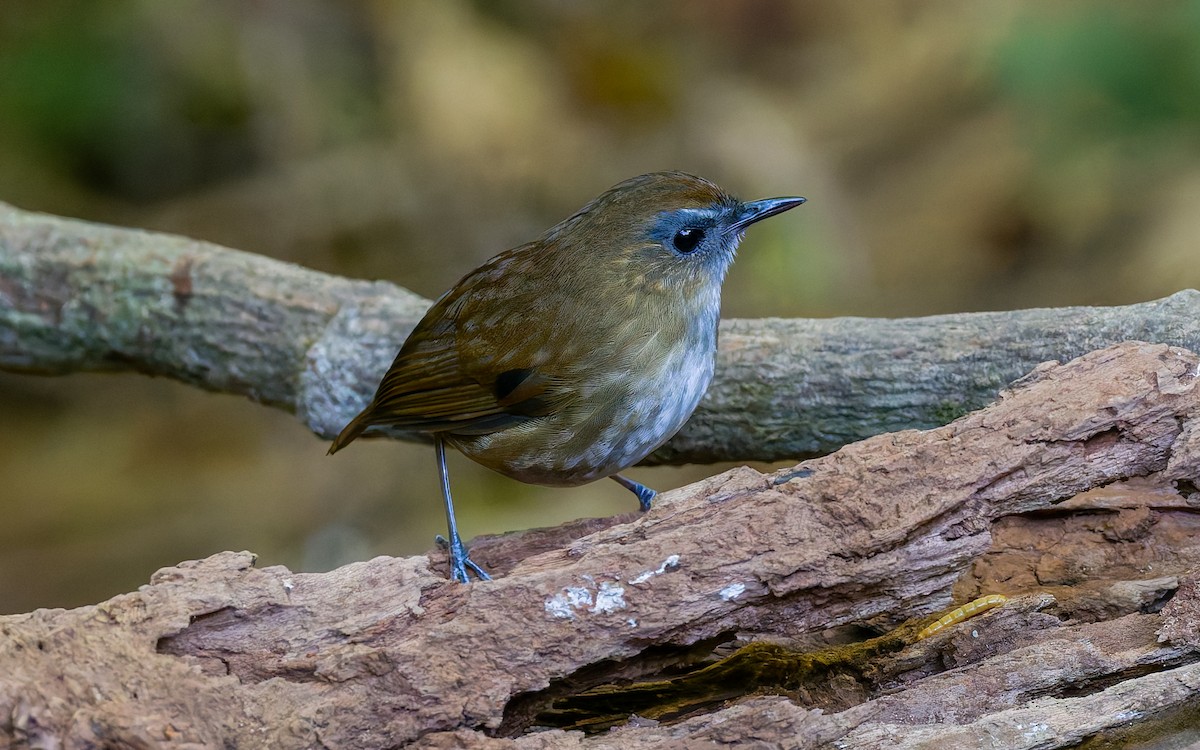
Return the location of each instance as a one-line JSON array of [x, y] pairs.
[[1101, 453]]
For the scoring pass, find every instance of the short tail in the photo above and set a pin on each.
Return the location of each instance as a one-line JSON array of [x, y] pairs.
[[351, 431]]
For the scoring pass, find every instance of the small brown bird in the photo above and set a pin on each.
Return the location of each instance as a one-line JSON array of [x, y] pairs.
[[573, 357]]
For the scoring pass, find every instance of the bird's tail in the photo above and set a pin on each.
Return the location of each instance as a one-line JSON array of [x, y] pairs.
[[350, 431]]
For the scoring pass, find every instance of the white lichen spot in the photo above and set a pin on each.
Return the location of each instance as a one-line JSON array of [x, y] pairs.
[[732, 591], [558, 607], [609, 598], [563, 604], [641, 577], [670, 563], [1035, 731], [578, 596]]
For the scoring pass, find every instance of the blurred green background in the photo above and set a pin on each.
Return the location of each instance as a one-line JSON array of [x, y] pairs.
[[957, 157]]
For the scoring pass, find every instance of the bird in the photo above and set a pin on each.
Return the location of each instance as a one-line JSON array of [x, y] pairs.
[[572, 357]]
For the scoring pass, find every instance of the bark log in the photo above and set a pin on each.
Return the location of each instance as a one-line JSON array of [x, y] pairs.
[[77, 297], [1095, 461]]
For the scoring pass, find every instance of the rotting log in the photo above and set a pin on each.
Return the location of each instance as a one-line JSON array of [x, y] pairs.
[[387, 653], [76, 296]]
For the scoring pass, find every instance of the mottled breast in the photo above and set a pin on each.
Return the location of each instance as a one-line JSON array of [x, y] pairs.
[[622, 416]]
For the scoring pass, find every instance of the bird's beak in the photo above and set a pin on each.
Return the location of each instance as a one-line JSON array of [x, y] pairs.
[[759, 210]]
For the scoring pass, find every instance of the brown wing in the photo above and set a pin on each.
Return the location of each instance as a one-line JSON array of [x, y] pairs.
[[440, 382]]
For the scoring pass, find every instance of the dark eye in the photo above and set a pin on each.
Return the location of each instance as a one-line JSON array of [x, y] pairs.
[[685, 240]]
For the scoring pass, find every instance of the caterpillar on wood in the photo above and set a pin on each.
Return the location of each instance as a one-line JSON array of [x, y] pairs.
[[970, 609]]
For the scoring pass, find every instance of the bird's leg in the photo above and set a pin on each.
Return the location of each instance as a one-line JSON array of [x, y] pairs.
[[645, 495], [459, 562]]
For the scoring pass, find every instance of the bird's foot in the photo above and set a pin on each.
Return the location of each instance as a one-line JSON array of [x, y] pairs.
[[460, 562], [645, 495]]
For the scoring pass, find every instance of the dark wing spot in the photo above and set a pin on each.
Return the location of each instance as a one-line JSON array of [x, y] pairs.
[[509, 380], [523, 391]]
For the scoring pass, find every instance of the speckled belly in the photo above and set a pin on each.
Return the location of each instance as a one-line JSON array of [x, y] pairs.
[[620, 422]]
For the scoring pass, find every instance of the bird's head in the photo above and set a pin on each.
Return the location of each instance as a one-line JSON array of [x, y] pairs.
[[665, 232]]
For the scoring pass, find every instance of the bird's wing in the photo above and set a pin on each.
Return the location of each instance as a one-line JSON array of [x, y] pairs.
[[466, 369]]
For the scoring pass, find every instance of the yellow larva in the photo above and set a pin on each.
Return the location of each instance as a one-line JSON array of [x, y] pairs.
[[970, 609]]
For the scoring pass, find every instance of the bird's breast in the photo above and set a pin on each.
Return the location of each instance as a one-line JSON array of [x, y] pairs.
[[617, 416]]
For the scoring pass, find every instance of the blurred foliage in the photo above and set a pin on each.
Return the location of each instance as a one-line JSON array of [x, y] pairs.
[[110, 114], [1123, 72], [957, 156]]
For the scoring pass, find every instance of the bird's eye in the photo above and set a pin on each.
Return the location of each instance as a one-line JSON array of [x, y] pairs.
[[686, 239]]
